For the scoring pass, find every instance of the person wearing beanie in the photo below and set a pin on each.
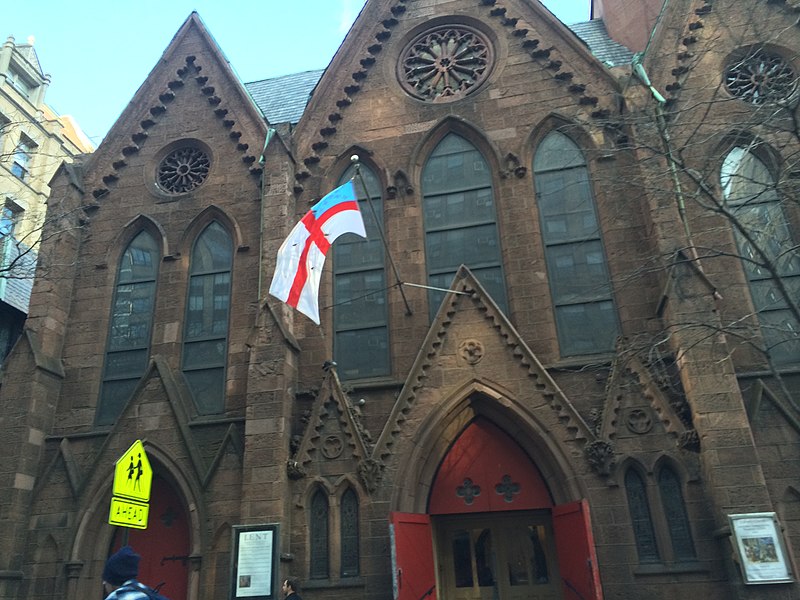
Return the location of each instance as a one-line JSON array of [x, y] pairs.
[[119, 576]]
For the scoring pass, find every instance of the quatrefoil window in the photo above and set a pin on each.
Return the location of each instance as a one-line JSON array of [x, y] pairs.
[[760, 77], [183, 170], [445, 63]]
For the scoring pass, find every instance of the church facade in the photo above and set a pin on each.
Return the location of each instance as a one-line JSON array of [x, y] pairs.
[[562, 365]]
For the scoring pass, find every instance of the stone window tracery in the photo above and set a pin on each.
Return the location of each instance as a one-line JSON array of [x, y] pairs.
[[183, 170], [766, 244], [334, 535], [205, 337], [445, 63], [360, 317], [460, 219], [349, 535], [658, 516], [577, 266], [130, 327], [319, 536], [760, 77]]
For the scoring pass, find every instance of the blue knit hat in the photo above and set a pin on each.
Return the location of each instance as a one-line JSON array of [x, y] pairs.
[[121, 566]]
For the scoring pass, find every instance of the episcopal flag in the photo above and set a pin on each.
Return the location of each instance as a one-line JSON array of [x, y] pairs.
[[302, 254]]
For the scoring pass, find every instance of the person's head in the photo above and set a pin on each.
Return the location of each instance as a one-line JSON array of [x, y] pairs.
[[120, 567], [291, 585]]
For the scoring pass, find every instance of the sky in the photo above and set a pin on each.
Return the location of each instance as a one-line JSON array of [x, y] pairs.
[[98, 52]]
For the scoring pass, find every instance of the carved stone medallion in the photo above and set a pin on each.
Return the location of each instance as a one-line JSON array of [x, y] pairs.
[[332, 446], [445, 63], [639, 421], [471, 351]]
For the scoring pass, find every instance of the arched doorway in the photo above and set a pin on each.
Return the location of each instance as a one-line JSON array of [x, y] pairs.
[[164, 546], [492, 531]]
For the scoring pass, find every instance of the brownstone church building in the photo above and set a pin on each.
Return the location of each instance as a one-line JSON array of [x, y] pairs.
[[563, 364]]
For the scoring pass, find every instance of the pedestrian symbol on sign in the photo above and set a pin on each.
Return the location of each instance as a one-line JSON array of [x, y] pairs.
[[133, 475]]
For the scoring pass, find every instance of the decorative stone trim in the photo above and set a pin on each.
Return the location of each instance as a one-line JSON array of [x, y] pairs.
[[759, 77], [600, 455], [183, 170], [471, 351], [445, 63], [189, 70]]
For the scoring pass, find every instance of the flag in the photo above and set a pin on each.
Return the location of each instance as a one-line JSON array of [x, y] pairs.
[[302, 254]]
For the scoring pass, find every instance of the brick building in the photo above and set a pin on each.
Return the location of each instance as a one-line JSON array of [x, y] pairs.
[[569, 372]]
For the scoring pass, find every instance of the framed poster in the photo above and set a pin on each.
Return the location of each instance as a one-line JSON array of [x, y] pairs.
[[254, 562], [762, 553]]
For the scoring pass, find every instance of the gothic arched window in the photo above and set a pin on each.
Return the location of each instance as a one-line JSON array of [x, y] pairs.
[[763, 237], [319, 536], [460, 220], [348, 523], [639, 508], [205, 335], [361, 332], [586, 318], [128, 346], [661, 525], [669, 488]]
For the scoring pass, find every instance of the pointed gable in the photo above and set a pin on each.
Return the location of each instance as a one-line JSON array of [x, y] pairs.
[[636, 405], [192, 71], [366, 70], [470, 345], [334, 439]]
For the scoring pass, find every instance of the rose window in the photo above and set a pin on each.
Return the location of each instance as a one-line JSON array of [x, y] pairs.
[[445, 63], [760, 77], [183, 170]]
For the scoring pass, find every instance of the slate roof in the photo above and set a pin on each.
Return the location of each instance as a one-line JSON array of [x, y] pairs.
[[594, 34], [283, 99]]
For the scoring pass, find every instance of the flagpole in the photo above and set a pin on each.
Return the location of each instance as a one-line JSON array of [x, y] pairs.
[[436, 289], [356, 162]]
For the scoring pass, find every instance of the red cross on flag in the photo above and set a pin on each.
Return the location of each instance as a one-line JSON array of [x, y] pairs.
[[302, 254]]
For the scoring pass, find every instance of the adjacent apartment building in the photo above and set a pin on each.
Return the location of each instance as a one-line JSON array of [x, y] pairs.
[[34, 141]]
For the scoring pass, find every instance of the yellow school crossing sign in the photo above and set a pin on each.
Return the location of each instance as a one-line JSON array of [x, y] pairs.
[[133, 477]]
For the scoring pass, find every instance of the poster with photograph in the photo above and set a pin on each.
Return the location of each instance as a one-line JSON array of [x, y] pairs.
[[760, 546], [254, 562]]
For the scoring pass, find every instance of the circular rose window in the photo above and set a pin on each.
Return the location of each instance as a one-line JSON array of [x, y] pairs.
[[760, 77], [445, 63], [183, 170]]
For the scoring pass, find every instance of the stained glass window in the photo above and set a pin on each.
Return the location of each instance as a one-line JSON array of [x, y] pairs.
[[205, 338], [460, 220], [349, 534], [128, 346], [319, 536], [361, 336], [639, 508], [750, 190], [580, 285], [675, 514]]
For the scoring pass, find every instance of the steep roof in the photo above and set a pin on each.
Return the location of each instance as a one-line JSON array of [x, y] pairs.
[[606, 50], [283, 99]]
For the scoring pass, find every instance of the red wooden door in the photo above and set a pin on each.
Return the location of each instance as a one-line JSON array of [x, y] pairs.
[[577, 559], [164, 545], [413, 574]]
